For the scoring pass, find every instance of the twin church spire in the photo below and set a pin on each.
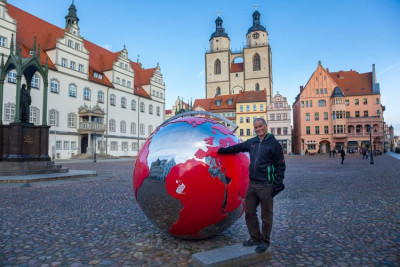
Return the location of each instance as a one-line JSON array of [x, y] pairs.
[[220, 30]]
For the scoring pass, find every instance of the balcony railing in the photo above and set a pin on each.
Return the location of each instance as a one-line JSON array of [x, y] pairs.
[[91, 126]]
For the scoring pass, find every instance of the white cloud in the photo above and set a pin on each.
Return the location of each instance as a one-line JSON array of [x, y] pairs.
[[201, 73], [107, 46]]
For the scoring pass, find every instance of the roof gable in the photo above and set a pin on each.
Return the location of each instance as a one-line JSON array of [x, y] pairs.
[[353, 83]]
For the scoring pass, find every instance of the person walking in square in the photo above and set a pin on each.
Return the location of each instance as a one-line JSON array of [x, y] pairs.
[[342, 154], [266, 173], [333, 152]]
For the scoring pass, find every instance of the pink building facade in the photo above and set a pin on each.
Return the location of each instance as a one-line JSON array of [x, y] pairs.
[[338, 109]]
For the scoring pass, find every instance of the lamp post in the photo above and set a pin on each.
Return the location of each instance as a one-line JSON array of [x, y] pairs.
[[95, 143], [371, 159]]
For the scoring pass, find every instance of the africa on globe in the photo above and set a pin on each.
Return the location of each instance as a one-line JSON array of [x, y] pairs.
[[183, 186]]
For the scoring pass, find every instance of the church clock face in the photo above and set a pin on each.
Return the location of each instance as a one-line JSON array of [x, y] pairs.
[[255, 35]]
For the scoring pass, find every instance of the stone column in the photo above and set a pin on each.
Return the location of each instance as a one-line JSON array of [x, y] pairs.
[[44, 109], [17, 99], [1, 101]]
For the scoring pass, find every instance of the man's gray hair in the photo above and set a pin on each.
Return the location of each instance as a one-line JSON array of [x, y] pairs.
[[260, 119]]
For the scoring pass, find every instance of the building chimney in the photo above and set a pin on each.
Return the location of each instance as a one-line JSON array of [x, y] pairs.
[[301, 89]]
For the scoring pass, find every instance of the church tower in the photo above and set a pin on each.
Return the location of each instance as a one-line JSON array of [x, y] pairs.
[[258, 58], [249, 69], [217, 62]]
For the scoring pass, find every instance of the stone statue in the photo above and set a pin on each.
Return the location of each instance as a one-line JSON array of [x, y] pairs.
[[25, 103]]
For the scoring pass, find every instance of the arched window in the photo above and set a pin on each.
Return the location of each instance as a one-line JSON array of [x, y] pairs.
[[9, 114], [257, 87], [34, 115], [141, 129], [133, 128], [321, 103], [54, 86], [123, 102], [217, 67], [54, 117], [141, 107], [150, 109], [111, 125], [100, 97], [72, 90], [150, 129], [256, 62], [72, 120], [133, 105], [123, 127], [35, 81], [112, 100], [218, 91], [158, 111], [86, 94]]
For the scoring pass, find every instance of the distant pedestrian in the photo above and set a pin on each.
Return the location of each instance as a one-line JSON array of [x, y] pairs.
[[364, 153], [342, 153], [330, 153], [333, 152]]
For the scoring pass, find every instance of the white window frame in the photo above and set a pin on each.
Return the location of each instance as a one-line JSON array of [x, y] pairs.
[[12, 76], [54, 86], [3, 41], [122, 127], [34, 115], [9, 111], [123, 102], [113, 100], [111, 125], [86, 94], [72, 90], [54, 116], [72, 118], [100, 97]]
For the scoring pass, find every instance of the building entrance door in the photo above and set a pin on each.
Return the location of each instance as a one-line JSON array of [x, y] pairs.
[[84, 144]]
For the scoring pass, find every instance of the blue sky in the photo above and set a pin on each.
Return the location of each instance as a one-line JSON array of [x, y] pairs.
[[343, 34]]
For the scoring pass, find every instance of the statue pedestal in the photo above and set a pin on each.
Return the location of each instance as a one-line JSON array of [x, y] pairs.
[[24, 150], [24, 142]]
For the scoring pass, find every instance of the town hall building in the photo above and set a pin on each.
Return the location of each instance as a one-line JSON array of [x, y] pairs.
[[97, 99]]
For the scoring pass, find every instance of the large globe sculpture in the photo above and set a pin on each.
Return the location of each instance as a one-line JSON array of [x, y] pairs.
[[183, 186]]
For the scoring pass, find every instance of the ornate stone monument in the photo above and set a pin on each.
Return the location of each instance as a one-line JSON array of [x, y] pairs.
[[23, 145]]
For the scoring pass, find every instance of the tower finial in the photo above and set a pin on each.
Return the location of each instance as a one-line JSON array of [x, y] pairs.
[[219, 13], [255, 6]]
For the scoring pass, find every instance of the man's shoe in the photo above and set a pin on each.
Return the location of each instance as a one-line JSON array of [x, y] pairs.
[[261, 248], [251, 242]]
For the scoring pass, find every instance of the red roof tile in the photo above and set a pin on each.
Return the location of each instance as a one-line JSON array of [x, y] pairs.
[[204, 103], [252, 96], [211, 104], [237, 67], [352, 82], [100, 59], [168, 111]]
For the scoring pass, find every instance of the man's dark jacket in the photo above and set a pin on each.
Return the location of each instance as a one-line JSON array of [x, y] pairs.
[[267, 164]]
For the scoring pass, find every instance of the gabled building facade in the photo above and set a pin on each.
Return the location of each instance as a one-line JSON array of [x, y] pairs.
[[338, 109], [279, 122], [250, 69], [97, 98]]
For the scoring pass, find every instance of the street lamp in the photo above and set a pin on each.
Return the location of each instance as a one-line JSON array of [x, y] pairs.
[[371, 159]]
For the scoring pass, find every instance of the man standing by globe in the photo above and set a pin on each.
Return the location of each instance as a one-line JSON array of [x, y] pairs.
[[266, 173]]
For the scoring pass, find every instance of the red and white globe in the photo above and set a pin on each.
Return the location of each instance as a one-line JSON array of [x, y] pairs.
[[183, 186]]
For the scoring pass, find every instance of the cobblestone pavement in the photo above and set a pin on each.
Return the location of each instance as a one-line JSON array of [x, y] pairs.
[[329, 215]]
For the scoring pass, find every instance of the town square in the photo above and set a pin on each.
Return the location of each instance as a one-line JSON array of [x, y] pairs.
[[208, 133], [329, 215]]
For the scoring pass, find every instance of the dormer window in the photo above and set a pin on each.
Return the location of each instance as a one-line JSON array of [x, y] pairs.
[[218, 103], [230, 101], [98, 75]]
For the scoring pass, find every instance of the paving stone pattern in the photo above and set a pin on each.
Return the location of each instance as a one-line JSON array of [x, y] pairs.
[[329, 215]]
